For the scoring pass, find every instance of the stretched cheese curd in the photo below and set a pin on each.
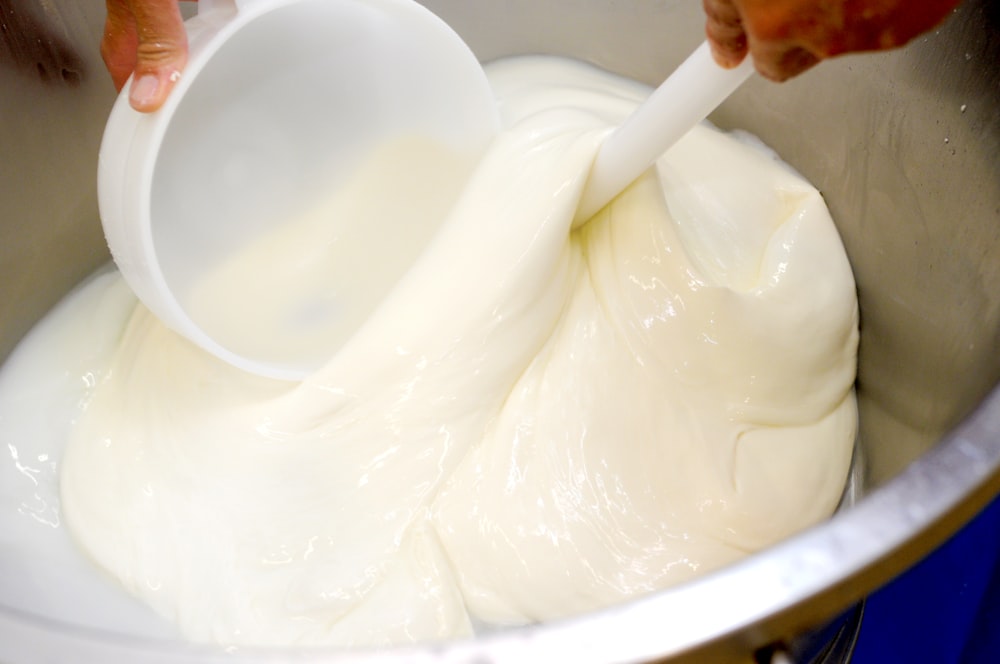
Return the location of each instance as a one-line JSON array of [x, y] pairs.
[[537, 421]]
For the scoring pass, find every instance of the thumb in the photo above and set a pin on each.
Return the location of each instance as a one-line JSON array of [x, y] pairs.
[[725, 33], [161, 51]]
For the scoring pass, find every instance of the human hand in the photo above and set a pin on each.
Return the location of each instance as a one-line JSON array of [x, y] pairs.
[[787, 37], [145, 38]]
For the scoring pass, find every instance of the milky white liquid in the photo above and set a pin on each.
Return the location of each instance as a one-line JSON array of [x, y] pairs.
[[43, 386], [533, 423]]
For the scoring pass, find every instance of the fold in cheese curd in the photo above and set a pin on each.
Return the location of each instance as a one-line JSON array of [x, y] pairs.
[[535, 422]]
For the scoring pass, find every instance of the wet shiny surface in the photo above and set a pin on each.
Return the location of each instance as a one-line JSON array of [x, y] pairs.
[[903, 146]]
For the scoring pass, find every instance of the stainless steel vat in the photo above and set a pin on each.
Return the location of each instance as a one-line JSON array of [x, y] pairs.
[[905, 147]]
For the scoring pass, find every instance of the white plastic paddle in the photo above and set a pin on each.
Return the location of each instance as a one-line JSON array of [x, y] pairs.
[[686, 98]]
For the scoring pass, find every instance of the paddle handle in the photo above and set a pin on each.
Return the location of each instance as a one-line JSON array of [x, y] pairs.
[[686, 98]]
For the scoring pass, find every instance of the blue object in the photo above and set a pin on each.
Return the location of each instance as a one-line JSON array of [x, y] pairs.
[[944, 610]]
